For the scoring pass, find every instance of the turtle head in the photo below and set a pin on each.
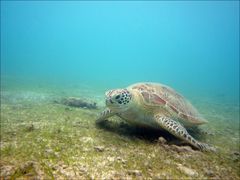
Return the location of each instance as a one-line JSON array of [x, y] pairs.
[[118, 100]]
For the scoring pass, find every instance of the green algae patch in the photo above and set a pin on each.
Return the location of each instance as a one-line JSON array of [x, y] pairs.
[[46, 140]]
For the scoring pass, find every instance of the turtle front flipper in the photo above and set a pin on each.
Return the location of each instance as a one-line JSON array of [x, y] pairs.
[[105, 114], [176, 129]]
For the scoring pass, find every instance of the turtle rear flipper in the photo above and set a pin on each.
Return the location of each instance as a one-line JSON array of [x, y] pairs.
[[176, 129]]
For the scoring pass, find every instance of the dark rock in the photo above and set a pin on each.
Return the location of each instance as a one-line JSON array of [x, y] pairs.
[[121, 160], [77, 102], [209, 173], [99, 148], [182, 148], [30, 168], [235, 156], [134, 172], [55, 101], [49, 152], [179, 149], [236, 153], [207, 132], [67, 109], [30, 127]]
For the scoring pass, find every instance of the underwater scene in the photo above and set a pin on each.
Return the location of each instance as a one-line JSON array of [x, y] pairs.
[[120, 90]]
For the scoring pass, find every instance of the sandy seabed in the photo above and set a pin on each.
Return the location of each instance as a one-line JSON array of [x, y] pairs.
[[41, 139]]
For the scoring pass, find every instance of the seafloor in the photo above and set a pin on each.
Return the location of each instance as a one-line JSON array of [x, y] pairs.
[[43, 139]]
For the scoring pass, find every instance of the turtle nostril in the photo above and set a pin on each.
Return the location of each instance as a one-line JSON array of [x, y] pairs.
[[111, 101]]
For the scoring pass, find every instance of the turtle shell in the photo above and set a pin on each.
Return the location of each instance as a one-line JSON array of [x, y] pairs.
[[154, 94]]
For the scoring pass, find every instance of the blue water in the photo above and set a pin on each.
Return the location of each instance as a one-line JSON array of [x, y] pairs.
[[191, 46]]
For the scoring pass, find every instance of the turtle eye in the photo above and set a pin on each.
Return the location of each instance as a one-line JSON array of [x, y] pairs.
[[117, 97]]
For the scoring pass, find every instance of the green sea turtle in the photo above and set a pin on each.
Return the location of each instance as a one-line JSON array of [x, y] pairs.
[[157, 106]]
